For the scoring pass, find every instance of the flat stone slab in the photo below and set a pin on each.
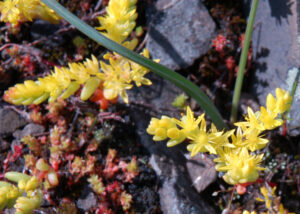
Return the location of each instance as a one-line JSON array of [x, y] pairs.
[[180, 31]]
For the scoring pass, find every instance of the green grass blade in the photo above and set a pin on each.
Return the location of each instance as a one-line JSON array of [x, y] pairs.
[[177, 79], [243, 61]]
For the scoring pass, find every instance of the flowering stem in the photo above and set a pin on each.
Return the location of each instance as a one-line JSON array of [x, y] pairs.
[[177, 79], [243, 61]]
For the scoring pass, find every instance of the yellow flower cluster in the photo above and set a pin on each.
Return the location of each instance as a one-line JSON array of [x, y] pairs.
[[119, 21], [12, 196], [233, 148], [116, 77], [16, 11]]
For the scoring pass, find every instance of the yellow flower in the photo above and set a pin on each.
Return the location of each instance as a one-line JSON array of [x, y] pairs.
[[202, 141], [159, 128], [240, 166], [252, 120], [284, 100], [188, 123], [9, 12], [271, 103], [117, 78], [176, 136], [165, 128], [249, 138], [138, 72], [268, 119]]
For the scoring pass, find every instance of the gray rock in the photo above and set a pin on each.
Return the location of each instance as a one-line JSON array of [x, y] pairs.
[[177, 195], [10, 121], [180, 31], [201, 170], [87, 200], [42, 28], [276, 50], [29, 129]]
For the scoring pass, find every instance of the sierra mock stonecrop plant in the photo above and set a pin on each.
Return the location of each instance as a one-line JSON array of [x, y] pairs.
[[116, 77], [14, 196], [119, 22], [235, 148], [17, 11]]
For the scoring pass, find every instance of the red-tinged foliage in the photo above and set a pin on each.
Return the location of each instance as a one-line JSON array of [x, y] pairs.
[[103, 208], [99, 98], [219, 43], [230, 63], [9, 94]]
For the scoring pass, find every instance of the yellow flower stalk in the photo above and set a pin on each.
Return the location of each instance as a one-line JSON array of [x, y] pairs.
[[119, 21], [16, 11], [63, 82], [116, 76]]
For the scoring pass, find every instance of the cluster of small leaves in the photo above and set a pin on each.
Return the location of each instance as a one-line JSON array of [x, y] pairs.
[[13, 196], [235, 148], [114, 191], [73, 159]]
